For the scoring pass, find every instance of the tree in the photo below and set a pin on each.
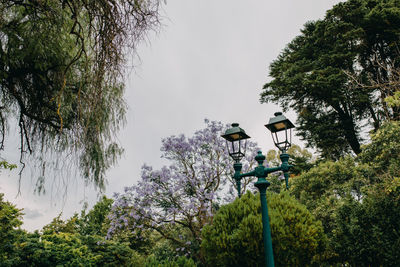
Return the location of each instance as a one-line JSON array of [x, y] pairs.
[[234, 238], [357, 201], [323, 190], [366, 233], [95, 221], [178, 200], [77, 241], [61, 78], [10, 221], [70, 249], [383, 153], [314, 75]]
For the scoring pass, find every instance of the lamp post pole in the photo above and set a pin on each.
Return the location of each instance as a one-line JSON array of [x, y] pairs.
[[285, 167], [237, 166], [262, 184]]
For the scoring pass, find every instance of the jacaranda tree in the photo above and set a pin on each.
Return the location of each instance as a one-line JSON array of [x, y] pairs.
[[178, 200]]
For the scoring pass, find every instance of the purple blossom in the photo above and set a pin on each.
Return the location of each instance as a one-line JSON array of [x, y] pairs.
[[184, 190]]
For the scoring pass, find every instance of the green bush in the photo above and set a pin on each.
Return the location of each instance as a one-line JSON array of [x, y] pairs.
[[235, 236]]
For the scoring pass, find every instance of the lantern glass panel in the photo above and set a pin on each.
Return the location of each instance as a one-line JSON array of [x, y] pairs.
[[282, 139], [237, 149]]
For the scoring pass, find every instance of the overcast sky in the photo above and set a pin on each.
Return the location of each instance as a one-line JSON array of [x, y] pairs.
[[209, 60]]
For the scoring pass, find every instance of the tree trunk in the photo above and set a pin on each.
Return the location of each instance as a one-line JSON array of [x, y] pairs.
[[349, 129], [350, 133]]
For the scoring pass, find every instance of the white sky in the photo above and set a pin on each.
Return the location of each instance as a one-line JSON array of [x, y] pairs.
[[209, 60]]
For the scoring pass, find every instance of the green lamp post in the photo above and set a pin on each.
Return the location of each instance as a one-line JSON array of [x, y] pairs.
[[280, 128]]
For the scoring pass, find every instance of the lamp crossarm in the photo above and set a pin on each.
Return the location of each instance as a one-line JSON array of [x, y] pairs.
[[248, 174], [271, 170], [266, 171], [261, 172]]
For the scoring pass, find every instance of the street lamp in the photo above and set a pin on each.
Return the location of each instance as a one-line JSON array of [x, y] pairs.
[[278, 125]]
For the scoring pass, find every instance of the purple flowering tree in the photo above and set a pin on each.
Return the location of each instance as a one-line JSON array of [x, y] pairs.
[[185, 194]]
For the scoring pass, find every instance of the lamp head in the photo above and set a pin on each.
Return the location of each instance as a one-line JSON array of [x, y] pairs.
[[280, 126], [234, 136]]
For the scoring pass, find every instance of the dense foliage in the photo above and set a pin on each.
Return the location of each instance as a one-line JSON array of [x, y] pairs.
[[235, 236], [383, 153], [357, 200], [60, 243], [61, 78], [337, 74], [10, 220], [367, 233], [78, 241]]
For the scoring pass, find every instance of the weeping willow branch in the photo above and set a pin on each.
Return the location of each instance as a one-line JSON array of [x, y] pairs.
[[62, 77]]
